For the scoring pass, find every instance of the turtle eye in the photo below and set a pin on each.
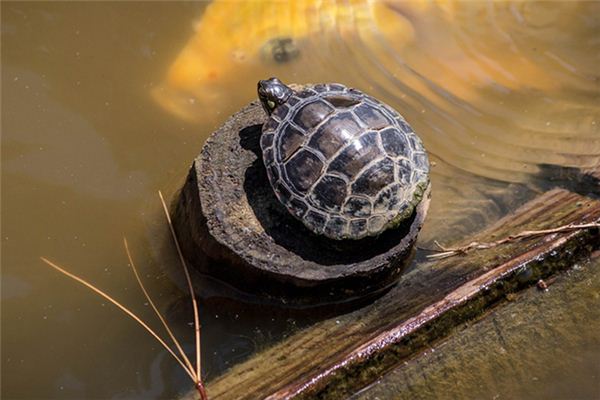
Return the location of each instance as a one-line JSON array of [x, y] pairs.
[[271, 104]]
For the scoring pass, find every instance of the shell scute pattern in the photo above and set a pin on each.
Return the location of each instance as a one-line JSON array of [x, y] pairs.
[[289, 141], [298, 207], [375, 178], [342, 101], [293, 101], [270, 125], [387, 198], [268, 155], [320, 87], [358, 227], [352, 159], [375, 224], [337, 87], [404, 171], [315, 220], [306, 93], [394, 142], [273, 172], [334, 133], [266, 140], [281, 112], [283, 192], [372, 117], [312, 114], [336, 226], [404, 125], [421, 161], [357, 206], [329, 194], [344, 163], [303, 170]]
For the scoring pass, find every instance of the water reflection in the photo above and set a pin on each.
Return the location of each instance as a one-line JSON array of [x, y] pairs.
[[495, 89]]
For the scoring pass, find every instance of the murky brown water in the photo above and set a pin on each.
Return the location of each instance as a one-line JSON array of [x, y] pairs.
[[101, 107]]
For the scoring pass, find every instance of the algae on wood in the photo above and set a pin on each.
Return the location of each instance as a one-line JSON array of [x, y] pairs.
[[335, 358], [528, 348]]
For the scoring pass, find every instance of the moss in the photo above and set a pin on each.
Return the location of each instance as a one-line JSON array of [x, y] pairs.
[[358, 374], [321, 359], [419, 193]]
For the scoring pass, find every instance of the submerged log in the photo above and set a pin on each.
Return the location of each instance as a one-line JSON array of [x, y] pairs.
[[337, 357], [231, 226]]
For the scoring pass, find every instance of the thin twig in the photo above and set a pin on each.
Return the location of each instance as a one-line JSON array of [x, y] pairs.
[[137, 277], [199, 383], [445, 252], [122, 308]]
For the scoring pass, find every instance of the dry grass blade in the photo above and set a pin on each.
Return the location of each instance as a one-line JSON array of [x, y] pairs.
[[124, 309], [199, 383], [445, 252], [137, 277]]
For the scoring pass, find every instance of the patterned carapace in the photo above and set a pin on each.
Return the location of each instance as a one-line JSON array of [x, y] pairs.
[[345, 164]]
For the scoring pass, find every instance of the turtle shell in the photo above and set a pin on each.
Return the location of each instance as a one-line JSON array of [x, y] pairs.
[[345, 164]]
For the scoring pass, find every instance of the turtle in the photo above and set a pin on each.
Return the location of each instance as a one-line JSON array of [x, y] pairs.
[[342, 162]]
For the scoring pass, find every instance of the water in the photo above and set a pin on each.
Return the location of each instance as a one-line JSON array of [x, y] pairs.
[[100, 110]]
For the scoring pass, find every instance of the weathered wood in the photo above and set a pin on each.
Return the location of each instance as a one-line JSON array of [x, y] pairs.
[[334, 358], [231, 225], [542, 344]]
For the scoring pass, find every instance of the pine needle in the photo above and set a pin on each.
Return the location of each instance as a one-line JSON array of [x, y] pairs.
[[124, 309], [175, 341], [191, 289], [445, 252]]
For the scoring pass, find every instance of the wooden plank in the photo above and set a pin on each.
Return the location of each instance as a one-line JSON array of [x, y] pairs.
[[542, 344], [336, 357]]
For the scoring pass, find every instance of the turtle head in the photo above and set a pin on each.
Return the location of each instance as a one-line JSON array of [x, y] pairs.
[[272, 93]]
